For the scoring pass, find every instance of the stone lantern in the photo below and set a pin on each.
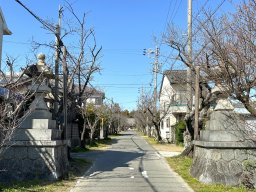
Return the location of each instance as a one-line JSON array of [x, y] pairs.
[[224, 145], [36, 148]]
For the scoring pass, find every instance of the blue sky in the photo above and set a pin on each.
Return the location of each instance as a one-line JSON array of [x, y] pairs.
[[123, 28]]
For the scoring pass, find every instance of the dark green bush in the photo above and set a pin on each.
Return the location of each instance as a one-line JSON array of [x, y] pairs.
[[180, 127]]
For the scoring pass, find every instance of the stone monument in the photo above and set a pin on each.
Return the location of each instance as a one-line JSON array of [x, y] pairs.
[[36, 150], [224, 146]]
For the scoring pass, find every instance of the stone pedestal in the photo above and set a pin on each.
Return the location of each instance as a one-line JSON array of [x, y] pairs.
[[35, 150], [34, 159], [224, 148]]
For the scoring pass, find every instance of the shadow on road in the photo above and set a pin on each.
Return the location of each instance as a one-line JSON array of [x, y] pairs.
[[111, 160]]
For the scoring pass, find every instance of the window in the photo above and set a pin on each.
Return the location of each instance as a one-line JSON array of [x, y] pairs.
[[168, 122], [98, 101], [162, 124]]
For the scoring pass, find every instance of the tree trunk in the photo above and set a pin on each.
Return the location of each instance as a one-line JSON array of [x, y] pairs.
[[149, 131], [82, 144], [249, 106], [91, 136], [159, 138], [188, 151]]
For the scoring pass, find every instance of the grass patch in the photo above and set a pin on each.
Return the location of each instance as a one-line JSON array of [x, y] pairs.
[[95, 145], [181, 165], [162, 146], [79, 149], [100, 144], [114, 135], [77, 169], [151, 140]]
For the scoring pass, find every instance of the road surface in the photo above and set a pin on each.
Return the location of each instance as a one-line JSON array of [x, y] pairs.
[[130, 165]]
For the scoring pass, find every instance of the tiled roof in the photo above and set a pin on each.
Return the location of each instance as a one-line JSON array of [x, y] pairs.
[[89, 91], [176, 76]]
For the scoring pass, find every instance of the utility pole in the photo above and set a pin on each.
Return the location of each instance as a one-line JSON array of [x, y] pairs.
[[197, 92], [65, 78], [156, 65], [57, 57], [155, 69], [189, 48]]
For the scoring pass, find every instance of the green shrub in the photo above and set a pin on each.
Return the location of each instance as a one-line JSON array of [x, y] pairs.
[[180, 127], [249, 165]]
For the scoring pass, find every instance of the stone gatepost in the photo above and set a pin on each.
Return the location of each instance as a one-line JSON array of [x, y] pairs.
[[225, 146], [36, 150]]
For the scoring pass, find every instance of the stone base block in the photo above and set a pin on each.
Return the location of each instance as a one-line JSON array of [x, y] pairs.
[[38, 123], [218, 164], [223, 136], [34, 160], [36, 134]]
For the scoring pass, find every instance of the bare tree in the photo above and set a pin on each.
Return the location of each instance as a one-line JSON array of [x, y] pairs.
[[14, 99], [148, 116], [82, 59], [231, 49], [94, 117], [225, 52], [85, 64], [142, 116]]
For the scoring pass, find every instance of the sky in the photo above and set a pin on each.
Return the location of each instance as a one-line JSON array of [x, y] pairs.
[[123, 28]]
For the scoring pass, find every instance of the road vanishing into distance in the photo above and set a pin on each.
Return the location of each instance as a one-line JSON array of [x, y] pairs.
[[130, 165]]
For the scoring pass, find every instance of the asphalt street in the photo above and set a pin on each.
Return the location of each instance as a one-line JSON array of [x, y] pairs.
[[130, 165]]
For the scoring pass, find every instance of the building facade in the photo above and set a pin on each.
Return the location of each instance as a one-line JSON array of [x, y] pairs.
[[173, 102]]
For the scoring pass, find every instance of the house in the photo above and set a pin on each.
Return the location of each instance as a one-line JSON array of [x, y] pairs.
[[94, 96], [173, 102], [3, 31]]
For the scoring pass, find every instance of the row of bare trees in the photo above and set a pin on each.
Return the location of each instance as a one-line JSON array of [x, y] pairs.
[[108, 117], [225, 49], [148, 117]]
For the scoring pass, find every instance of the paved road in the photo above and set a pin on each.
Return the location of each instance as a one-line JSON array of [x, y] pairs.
[[130, 165]]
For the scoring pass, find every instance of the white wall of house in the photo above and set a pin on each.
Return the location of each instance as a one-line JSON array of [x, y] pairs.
[[175, 96], [168, 121], [90, 100], [95, 100]]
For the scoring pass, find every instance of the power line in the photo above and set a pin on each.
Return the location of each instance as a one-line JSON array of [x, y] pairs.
[[200, 28], [47, 25], [175, 12], [174, 8], [122, 87], [17, 42], [127, 75], [119, 84]]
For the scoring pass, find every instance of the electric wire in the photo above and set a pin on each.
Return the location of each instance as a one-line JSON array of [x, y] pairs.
[[200, 28]]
